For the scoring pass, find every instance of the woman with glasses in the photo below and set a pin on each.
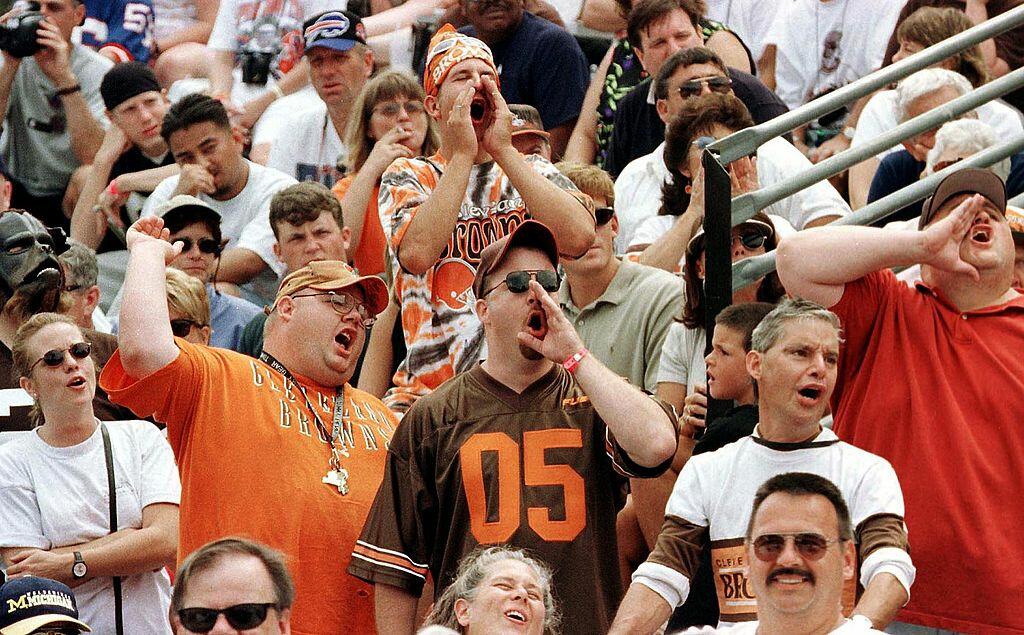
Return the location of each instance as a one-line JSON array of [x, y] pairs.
[[388, 121], [56, 495], [188, 307]]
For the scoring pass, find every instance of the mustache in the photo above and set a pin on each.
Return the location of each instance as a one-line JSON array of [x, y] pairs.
[[781, 571], [492, 4]]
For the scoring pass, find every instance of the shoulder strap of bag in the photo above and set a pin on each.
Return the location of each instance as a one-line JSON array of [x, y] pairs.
[[108, 455]]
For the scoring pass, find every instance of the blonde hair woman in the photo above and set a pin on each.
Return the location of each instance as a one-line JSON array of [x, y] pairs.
[[387, 122], [188, 306]]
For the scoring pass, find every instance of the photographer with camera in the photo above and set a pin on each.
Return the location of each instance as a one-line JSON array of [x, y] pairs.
[[49, 90]]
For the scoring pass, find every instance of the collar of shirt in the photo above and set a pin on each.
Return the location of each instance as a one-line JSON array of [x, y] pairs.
[[617, 291]]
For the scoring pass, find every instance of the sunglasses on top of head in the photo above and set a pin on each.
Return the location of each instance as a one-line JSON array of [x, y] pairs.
[[206, 245], [811, 546], [519, 281], [694, 87], [55, 357], [239, 616]]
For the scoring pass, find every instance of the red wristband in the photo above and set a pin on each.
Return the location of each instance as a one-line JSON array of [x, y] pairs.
[[112, 188], [574, 361]]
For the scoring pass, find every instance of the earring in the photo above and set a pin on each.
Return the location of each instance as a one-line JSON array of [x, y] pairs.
[[688, 189]]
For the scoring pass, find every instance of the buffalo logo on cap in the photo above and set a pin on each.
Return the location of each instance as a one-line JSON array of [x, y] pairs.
[[330, 25]]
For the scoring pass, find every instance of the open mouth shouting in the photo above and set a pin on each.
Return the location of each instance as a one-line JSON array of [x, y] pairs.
[[811, 394], [515, 616], [980, 234], [345, 339], [479, 109], [76, 382], [537, 323]]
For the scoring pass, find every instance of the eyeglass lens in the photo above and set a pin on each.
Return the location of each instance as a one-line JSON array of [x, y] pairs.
[[810, 545], [239, 616]]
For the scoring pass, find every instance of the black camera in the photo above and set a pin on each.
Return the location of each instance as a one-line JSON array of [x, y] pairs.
[[258, 54], [18, 33]]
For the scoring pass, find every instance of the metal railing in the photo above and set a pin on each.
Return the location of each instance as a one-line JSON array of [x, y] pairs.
[[722, 212]]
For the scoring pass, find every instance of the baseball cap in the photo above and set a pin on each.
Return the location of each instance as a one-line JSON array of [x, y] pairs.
[[965, 181], [759, 220], [29, 603], [530, 233], [1015, 217], [526, 121], [335, 29], [126, 80], [334, 275], [182, 202]]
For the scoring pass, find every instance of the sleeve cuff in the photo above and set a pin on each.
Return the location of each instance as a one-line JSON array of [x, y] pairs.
[[892, 560], [672, 586]]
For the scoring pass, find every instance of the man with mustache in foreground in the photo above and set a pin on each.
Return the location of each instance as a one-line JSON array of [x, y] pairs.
[[793, 357], [529, 448]]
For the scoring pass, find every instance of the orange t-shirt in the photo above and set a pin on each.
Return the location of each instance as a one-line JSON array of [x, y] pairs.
[[251, 462], [369, 258]]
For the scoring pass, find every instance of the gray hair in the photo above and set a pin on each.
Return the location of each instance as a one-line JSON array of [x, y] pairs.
[[960, 139], [928, 81], [473, 570], [770, 330], [79, 263]]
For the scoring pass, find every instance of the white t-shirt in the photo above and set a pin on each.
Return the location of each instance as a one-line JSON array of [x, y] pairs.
[[749, 19], [57, 497], [172, 16], [307, 146], [828, 44], [638, 191], [682, 357], [848, 627], [879, 116]]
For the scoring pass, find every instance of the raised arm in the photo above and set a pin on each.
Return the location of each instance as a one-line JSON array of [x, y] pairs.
[[817, 263], [144, 337], [641, 427], [89, 225], [355, 203], [567, 217]]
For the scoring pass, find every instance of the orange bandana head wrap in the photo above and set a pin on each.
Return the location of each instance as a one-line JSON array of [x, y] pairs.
[[448, 47]]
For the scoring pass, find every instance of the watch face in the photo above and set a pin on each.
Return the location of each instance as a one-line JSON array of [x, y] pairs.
[[79, 570]]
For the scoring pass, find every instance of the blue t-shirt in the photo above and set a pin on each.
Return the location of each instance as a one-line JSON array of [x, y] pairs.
[[899, 169], [125, 23], [542, 65], [228, 317]]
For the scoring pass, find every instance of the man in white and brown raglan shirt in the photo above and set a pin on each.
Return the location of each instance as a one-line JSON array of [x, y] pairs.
[[793, 358], [439, 213]]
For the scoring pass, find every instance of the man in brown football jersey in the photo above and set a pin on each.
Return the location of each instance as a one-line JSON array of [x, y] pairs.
[[531, 448]]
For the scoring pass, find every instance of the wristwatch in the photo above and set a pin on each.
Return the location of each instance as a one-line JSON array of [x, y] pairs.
[[79, 569]]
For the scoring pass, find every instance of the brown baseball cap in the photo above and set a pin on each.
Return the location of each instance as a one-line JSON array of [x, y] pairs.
[[526, 121], [1015, 217], [530, 233], [760, 220], [334, 275], [965, 181]]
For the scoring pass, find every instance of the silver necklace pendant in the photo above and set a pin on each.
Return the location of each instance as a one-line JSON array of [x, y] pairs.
[[338, 478]]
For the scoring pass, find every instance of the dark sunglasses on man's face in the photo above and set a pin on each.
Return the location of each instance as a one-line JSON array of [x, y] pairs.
[[603, 214], [182, 327], [206, 245], [811, 546], [519, 281], [694, 87], [54, 358], [239, 616]]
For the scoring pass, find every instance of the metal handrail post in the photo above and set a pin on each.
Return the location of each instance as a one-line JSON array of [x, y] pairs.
[[745, 206], [717, 255], [749, 270], [743, 142]]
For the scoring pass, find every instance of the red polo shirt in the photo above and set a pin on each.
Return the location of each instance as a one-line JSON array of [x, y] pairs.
[[940, 394]]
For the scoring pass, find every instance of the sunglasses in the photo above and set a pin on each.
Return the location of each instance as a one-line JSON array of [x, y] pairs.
[[182, 327], [391, 109], [343, 304], [206, 245], [811, 546], [519, 281], [694, 87], [603, 215], [239, 616], [57, 631], [54, 358], [751, 240]]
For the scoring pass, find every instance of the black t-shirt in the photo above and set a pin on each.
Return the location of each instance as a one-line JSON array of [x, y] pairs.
[[131, 161], [638, 130]]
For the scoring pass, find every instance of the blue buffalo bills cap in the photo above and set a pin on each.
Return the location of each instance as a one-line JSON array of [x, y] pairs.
[[30, 603], [335, 29]]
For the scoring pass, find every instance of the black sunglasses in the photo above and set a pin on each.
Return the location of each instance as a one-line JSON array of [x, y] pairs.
[[752, 240], [811, 546], [519, 281], [603, 214], [206, 245], [239, 616], [54, 358], [182, 327], [694, 87]]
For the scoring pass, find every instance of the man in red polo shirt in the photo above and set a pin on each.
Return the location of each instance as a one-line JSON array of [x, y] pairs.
[[931, 377]]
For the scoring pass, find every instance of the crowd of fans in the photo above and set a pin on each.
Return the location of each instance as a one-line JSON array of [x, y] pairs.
[[370, 317]]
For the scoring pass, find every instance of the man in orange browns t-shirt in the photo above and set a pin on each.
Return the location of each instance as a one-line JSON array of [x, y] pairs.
[[441, 211], [263, 448]]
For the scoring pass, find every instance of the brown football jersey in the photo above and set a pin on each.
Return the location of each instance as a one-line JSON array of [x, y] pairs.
[[476, 463]]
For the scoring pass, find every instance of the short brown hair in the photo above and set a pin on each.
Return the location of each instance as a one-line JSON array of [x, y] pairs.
[[684, 59], [930, 25], [589, 179], [744, 318], [647, 12], [209, 554], [302, 203]]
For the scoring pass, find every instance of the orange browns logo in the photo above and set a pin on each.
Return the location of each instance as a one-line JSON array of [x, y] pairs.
[[453, 281]]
